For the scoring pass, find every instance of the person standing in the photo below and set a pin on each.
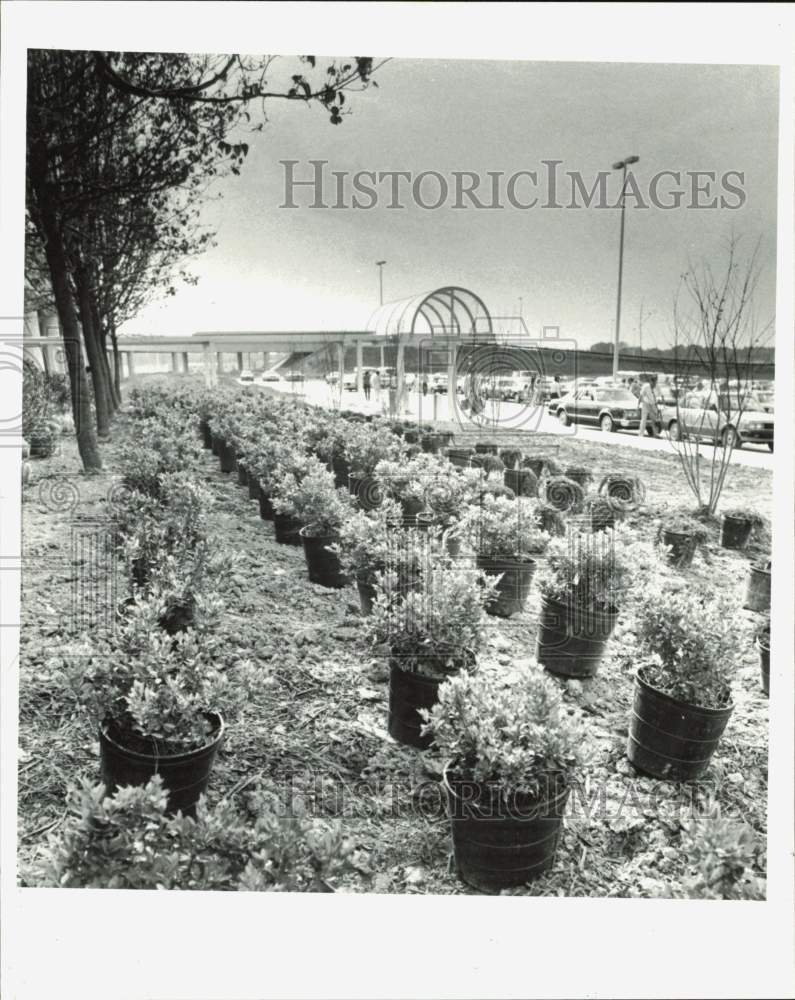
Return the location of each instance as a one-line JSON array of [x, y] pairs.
[[634, 386], [649, 411], [366, 384], [375, 389], [425, 385]]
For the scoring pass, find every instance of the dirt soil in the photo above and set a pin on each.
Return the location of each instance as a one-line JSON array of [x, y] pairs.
[[320, 732]]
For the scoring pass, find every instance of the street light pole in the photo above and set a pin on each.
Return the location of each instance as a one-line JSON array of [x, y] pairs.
[[622, 166], [380, 265]]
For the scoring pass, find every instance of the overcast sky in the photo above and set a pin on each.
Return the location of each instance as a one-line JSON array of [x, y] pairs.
[[292, 269]]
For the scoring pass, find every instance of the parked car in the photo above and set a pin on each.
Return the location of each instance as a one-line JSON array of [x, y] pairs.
[[698, 415], [332, 377], [294, 377], [349, 381], [438, 382], [270, 377], [610, 409], [504, 387], [766, 400], [247, 375]]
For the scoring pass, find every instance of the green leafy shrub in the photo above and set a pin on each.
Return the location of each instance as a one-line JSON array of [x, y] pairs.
[[501, 528], [515, 735], [687, 643], [366, 446], [126, 841], [313, 500]]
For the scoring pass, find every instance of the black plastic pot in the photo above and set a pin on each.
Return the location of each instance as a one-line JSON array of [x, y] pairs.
[[486, 448], [367, 592], [571, 641], [669, 738], [341, 470], [408, 693], [523, 482], [682, 548], [253, 488], [215, 444], [735, 532], [366, 490], [266, 511], [512, 587], [431, 444], [757, 590], [242, 474], [499, 844], [412, 510], [41, 444], [287, 529], [452, 544], [764, 663], [227, 457], [324, 566], [178, 618], [536, 465], [207, 438], [185, 775], [460, 457]]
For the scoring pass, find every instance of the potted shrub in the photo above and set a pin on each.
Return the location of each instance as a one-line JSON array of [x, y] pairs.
[[459, 456], [600, 512], [429, 635], [686, 647], [562, 493], [625, 492], [579, 474], [223, 426], [511, 751], [510, 457], [366, 446], [448, 495], [551, 519], [160, 701], [487, 448], [763, 646], [541, 465], [521, 482], [757, 589], [320, 508], [681, 534], [128, 840], [279, 468], [737, 526], [507, 539], [583, 584]]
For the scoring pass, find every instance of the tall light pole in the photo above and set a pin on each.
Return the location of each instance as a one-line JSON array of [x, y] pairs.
[[622, 166], [380, 265]]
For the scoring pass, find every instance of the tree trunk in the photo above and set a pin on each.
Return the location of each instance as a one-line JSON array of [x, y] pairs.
[[70, 331], [116, 364], [115, 401], [94, 353]]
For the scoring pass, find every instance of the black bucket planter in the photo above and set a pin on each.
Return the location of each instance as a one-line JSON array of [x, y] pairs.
[[408, 693], [512, 587], [324, 566], [178, 618], [486, 448], [207, 438], [367, 592], [764, 663], [523, 482], [431, 444], [682, 548], [341, 470], [242, 474], [735, 532], [227, 456], [535, 465], [669, 738], [215, 444], [185, 775], [499, 844], [253, 487], [411, 508], [452, 544], [266, 511], [287, 529], [41, 444], [757, 590], [460, 457], [571, 641]]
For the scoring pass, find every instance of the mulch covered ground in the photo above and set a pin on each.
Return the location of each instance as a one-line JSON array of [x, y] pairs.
[[320, 731]]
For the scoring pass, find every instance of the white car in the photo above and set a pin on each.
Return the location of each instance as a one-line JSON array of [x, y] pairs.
[[270, 377], [349, 381], [247, 375]]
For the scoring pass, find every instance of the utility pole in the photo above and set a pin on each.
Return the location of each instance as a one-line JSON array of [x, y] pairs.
[[622, 166]]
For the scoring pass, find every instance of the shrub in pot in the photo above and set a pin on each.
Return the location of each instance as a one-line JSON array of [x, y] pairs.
[[320, 508], [279, 468], [522, 482], [681, 534], [737, 526], [562, 493], [366, 446], [599, 513], [128, 840], [459, 456], [510, 457], [161, 702], [626, 492], [448, 495], [511, 751], [429, 635], [763, 645], [686, 648], [507, 538], [487, 448], [584, 583], [541, 465], [41, 441]]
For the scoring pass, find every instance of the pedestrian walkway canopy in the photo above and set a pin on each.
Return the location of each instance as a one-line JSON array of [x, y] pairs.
[[444, 313]]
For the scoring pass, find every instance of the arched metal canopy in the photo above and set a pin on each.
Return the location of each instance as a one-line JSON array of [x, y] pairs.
[[444, 312]]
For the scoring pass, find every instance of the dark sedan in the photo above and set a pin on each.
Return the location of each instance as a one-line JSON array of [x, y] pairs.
[[608, 409]]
